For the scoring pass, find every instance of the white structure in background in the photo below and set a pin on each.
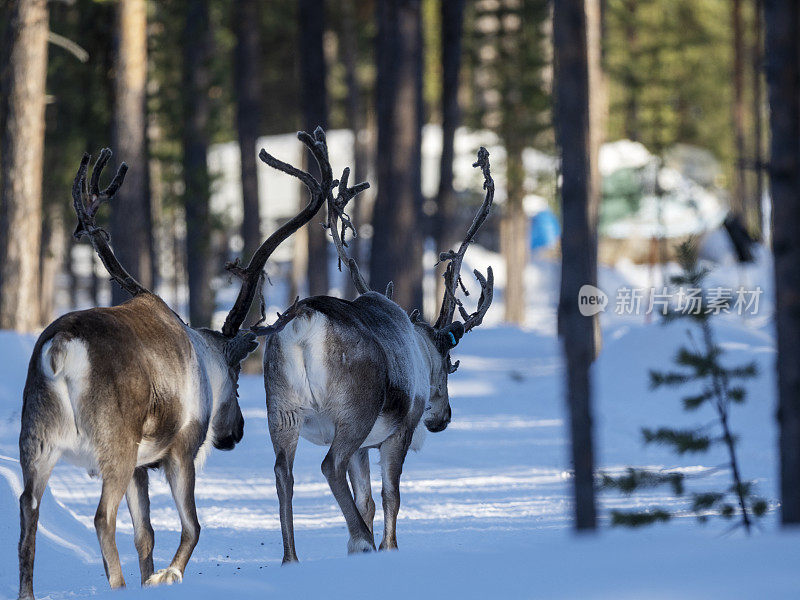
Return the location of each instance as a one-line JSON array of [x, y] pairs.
[[690, 202], [279, 195]]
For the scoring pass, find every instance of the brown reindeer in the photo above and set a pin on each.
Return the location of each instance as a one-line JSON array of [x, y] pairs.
[[123, 389], [363, 374]]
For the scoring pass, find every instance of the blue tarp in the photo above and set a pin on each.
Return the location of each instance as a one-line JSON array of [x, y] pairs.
[[545, 229]]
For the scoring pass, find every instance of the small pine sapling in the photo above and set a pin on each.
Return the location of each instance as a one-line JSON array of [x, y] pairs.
[[698, 363]]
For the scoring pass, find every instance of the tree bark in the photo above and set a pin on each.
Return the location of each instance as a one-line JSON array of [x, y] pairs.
[[21, 160], [69, 263], [95, 284], [632, 82], [130, 212], [311, 18], [248, 98], [514, 235], [452, 15], [758, 112], [355, 119], [598, 118], [397, 240], [739, 201], [54, 252], [782, 19], [578, 242], [514, 225], [197, 108]]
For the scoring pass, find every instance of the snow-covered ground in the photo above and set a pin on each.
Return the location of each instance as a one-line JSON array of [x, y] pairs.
[[485, 504]]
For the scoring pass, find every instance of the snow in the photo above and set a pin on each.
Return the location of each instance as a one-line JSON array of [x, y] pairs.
[[485, 504]]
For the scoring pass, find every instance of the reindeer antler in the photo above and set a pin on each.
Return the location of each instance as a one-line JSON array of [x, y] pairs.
[[87, 200], [282, 321], [336, 212], [318, 191], [452, 274]]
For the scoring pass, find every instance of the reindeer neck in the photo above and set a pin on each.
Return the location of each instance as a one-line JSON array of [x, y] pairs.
[[427, 348]]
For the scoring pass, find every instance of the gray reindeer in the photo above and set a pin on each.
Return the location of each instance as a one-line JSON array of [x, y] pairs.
[[123, 389], [355, 375]]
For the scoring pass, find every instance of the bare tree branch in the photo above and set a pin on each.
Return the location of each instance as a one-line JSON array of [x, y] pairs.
[[67, 44]]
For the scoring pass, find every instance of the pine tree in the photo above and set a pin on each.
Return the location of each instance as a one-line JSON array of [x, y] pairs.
[[313, 99], [508, 57], [783, 83], [131, 221], [698, 362], [669, 71], [396, 253], [21, 160], [579, 242], [197, 42]]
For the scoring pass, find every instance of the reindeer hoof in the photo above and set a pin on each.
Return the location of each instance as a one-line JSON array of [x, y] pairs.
[[360, 546], [166, 576]]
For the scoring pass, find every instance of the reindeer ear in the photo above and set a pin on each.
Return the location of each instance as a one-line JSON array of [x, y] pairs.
[[448, 337], [456, 330], [239, 347]]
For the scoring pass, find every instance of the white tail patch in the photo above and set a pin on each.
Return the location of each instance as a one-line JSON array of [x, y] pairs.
[[303, 344], [52, 358], [65, 357], [65, 361]]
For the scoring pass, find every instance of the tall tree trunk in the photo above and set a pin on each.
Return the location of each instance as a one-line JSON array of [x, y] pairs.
[[54, 251], [69, 263], [598, 118], [514, 237], [177, 251], [739, 201], [130, 213], [782, 19], [349, 43], [632, 87], [758, 112], [197, 108], [248, 98], [95, 283], [578, 243], [311, 18], [452, 12], [248, 105], [155, 192], [21, 160], [397, 240], [153, 202]]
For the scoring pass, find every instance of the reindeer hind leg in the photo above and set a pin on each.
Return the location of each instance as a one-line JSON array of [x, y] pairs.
[[358, 470], [284, 430], [346, 441], [180, 473], [393, 454], [37, 462], [138, 499], [116, 477]]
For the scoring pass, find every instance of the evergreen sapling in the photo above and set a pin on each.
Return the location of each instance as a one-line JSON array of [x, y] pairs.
[[697, 362]]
